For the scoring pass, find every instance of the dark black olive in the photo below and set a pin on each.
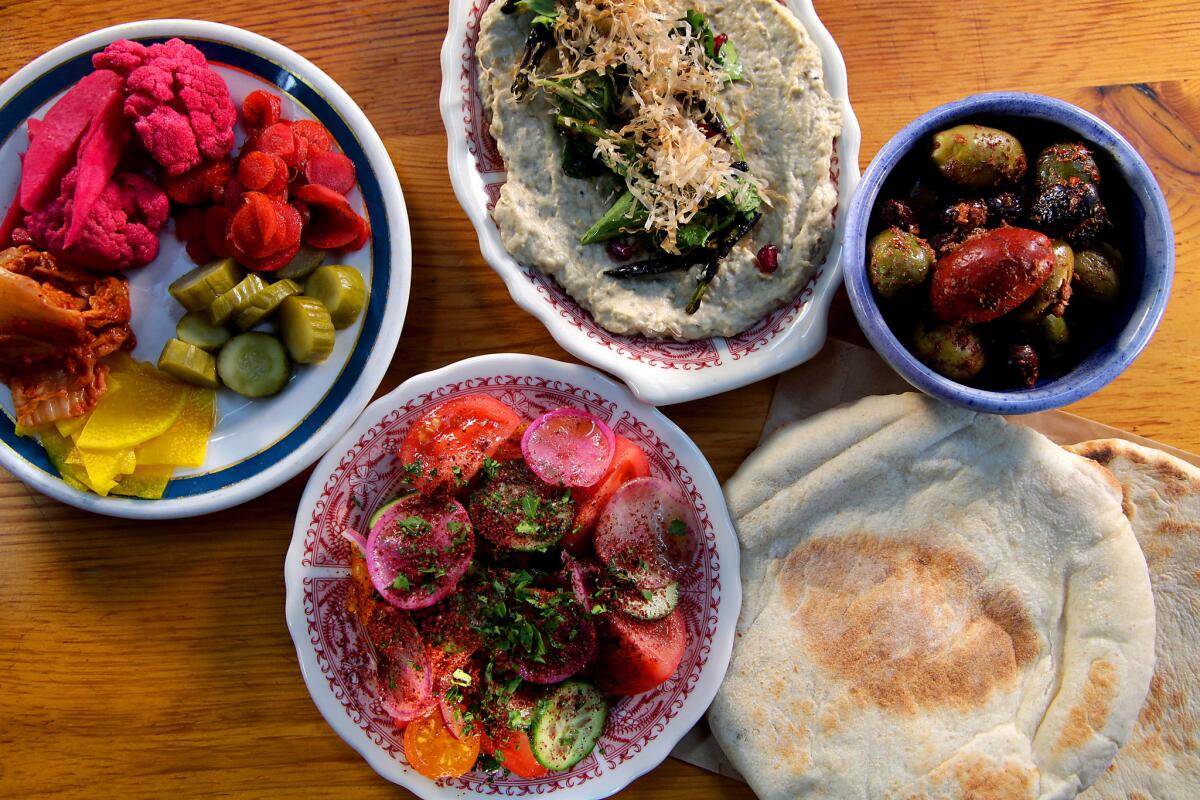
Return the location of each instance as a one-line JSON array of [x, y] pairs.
[[899, 214], [1021, 362], [1064, 206], [1006, 207]]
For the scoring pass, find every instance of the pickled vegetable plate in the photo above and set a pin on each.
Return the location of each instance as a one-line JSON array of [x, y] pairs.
[[361, 473], [257, 444]]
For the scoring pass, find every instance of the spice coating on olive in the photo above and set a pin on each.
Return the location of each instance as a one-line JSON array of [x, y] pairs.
[[1055, 292], [1096, 276], [899, 262], [979, 157], [1064, 206], [954, 351], [1064, 163], [990, 274]]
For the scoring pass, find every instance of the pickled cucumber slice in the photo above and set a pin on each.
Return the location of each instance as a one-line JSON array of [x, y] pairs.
[[265, 302], [189, 364], [197, 329], [302, 264], [236, 299], [197, 289], [254, 365], [342, 290], [307, 329]]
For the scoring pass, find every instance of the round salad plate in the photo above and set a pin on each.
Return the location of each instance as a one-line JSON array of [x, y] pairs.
[[361, 473], [659, 371], [256, 444]]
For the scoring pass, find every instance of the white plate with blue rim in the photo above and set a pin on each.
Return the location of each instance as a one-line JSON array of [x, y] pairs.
[[256, 444]]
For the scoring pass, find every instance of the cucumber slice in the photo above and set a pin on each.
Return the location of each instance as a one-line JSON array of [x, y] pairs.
[[649, 605], [196, 290], [254, 365], [386, 507], [306, 328], [197, 329], [236, 299], [189, 364], [263, 304], [567, 724], [342, 290], [302, 264]]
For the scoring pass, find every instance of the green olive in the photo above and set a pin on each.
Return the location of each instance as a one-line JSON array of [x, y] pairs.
[[899, 262], [1052, 330], [1051, 297], [1060, 163], [1097, 275], [979, 157], [955, 351]]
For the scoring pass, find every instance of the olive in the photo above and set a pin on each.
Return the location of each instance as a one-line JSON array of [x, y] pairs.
[[899, 262], [1097, 274], [1063, 206], [965, 215], [955, 351], [899, 214], [1005, 207], [1065, 163], [1021, 363], [1052, 296], [979, 157], [1054, 333]]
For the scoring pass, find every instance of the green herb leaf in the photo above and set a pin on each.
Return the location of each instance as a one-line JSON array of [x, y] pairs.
[[401, 584]]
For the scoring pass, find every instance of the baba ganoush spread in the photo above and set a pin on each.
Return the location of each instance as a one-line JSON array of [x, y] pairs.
[[785, 123]]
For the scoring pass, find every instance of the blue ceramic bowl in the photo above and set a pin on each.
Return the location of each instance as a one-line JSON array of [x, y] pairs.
[[1150, 255]]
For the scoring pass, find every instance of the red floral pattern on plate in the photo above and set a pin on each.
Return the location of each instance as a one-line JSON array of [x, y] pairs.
[[365, 478], [659, 353]]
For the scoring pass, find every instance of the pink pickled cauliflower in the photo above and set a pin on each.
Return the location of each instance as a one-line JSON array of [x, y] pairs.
[[181, 108], [120, 232]]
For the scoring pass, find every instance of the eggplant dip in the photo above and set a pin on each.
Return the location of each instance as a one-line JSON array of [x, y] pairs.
[[668, 162]]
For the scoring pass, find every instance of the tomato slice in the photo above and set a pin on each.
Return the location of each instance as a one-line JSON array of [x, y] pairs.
[[451, 442], [629, 463], [433, 751], [635, 657], [516, 754]]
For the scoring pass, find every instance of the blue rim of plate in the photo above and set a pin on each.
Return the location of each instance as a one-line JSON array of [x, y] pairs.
[[57, 79]]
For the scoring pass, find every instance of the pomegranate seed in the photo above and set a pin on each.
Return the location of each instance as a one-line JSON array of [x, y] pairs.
[[622, 251], [718, 43], [768, 259]]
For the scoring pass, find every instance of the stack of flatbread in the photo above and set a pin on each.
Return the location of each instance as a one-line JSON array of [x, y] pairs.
[[937, 604]]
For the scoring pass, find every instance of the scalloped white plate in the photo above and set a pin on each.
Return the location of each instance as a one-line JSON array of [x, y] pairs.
[[361, 472], [659, 371]]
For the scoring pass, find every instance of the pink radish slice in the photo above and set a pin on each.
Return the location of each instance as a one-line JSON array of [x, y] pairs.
[[419, 550], [633, 532], [405, 680], [569, 645], [581, 577], [569, 447]]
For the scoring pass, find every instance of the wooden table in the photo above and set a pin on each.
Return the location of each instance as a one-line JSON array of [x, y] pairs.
[[153, 660]]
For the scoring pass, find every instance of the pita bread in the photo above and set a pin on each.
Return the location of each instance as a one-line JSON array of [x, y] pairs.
[[1162, 494], [937, 604]]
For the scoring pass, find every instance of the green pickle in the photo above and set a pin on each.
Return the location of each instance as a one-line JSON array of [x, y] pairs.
[[197, 329], [340, 289], [302, 264], [196, 290], [263, 304], [235, 300], [254, 365], [189, 364], [307, 329]]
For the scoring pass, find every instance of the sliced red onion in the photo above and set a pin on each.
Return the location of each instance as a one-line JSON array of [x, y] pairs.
[[569, 447], [356, 539], [405, 680]]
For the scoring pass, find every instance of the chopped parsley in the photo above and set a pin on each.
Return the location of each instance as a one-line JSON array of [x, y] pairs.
[[401, 583], [677, 528]]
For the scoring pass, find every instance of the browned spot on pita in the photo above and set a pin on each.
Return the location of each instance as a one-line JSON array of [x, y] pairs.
[[1100, 453], [1138, 796], [1175, 527], [907, 625], [1091, 714], [980, 778]]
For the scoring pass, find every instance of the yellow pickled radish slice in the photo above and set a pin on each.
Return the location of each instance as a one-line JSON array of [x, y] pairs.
[[103, 467], [70, 428], [184, 444], [135, 409], [58, 449], [147, 483]]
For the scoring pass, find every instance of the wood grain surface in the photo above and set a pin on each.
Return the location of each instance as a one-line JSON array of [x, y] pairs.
[[152, 660]]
